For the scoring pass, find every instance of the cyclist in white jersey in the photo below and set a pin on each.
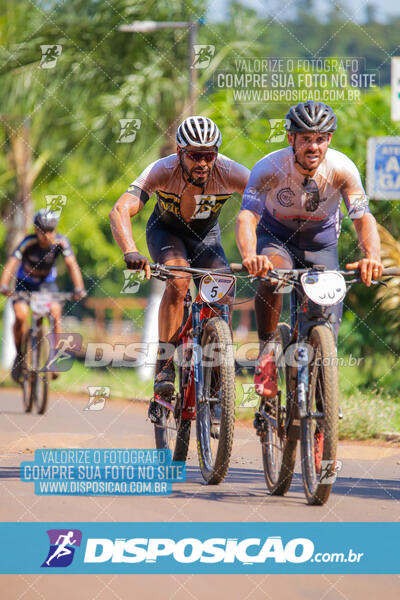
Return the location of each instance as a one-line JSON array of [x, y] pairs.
[[290, 215], [191, 187]]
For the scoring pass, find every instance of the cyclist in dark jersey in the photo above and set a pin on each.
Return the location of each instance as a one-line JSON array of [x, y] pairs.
[[290, 216], [191, 186], [35, 259]]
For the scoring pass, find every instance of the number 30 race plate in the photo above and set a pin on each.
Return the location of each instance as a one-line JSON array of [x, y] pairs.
[[326, 288], [213, 288]]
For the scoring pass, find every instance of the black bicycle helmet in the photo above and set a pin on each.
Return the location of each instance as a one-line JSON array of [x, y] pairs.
[[45, 220], [310, 117]]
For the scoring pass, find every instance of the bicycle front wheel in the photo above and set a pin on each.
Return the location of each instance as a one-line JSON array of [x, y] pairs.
[[279, 450], [27, 372], [215, 412], [319, 428], [40, 387]]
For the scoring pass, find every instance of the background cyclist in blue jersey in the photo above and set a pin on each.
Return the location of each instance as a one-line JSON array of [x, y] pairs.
[[35, 259]]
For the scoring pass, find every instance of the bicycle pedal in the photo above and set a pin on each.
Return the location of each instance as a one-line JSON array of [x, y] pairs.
[[259, 423], [154, 412]]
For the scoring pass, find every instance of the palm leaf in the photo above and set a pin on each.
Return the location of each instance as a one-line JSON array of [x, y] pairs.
[[390, 256]]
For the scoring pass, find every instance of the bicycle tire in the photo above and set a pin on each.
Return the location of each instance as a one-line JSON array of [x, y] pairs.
[[161, 429], [322, 396], [27, 391], [279, 454], [183, 425], [40, 381], [214, 461], [171, 432]]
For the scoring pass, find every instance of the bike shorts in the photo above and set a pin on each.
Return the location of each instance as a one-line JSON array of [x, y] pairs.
[[25, 286], [269, 244], [203, 253]]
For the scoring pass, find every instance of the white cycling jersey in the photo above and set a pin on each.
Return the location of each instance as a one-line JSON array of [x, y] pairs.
[[288, 201]]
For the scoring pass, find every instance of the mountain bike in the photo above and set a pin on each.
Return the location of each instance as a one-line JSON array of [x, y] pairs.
[[306, 407], [206, 371], [35, 384]]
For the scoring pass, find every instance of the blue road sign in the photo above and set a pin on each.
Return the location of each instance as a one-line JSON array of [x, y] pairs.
[[383, 168]]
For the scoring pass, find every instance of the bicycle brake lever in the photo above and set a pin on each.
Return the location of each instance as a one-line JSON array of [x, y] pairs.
[[379, 283]]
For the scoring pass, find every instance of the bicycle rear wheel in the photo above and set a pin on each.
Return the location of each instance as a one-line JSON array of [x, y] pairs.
[[215, 413], [27, 372], [183, 426], [319, 429], [279, 450], [40, 387]]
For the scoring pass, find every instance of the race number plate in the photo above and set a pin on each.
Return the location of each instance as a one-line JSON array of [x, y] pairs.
[[40, 303], [213, 288], [326, 288]]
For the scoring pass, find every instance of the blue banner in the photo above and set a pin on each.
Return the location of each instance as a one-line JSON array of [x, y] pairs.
[[223, 548], [102, 472]]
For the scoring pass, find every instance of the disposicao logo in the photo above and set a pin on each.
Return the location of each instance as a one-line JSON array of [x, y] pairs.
[[62, 547], [191, 550]]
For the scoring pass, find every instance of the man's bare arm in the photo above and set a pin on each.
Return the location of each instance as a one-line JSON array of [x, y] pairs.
[[9, 269], [246, 239], [369, 242], [126, 207], [75, 273]]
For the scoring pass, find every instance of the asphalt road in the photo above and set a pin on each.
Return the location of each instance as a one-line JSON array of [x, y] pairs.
[[368, 489]]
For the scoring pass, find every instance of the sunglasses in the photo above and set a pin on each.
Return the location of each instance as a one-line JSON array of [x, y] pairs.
[[312, 194], [198, 156]]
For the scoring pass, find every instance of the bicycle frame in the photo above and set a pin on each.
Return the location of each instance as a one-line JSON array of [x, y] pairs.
[[199, 314]]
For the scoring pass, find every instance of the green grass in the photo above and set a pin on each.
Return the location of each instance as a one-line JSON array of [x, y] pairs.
[[369, 398], [123, 383], [369, 393]]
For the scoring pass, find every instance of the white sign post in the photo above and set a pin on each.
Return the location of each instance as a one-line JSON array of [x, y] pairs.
[[395, 88]]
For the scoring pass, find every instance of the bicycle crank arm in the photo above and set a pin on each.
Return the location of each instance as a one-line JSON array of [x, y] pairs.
[[268, 417], [164, 403]]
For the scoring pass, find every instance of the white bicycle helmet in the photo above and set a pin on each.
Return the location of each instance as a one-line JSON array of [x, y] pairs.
[[45, 220], [198, 131]]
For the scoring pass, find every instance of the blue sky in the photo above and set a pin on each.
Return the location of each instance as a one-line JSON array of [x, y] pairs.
[[354, 9]]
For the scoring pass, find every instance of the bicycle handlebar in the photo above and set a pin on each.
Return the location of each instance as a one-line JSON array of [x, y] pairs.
[[60, 296], [239, 268], [193, 271]]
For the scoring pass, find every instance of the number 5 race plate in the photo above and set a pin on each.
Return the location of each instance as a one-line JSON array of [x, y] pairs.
[[213, 288]]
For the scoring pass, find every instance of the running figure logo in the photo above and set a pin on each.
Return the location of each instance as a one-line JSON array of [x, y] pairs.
[[55, 203], [50, 55], [329, 471], [129, 128], [62, 547], [63, 347], [97, 397], [203, 55], [132, 281], [277, 132], [250, 396]]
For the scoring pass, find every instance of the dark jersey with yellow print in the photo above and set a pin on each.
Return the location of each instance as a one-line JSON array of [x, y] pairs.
[[165, 178]]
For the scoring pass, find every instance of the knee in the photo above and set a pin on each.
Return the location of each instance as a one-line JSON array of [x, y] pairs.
[[176, 289], [21, 314], [56, 311]]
